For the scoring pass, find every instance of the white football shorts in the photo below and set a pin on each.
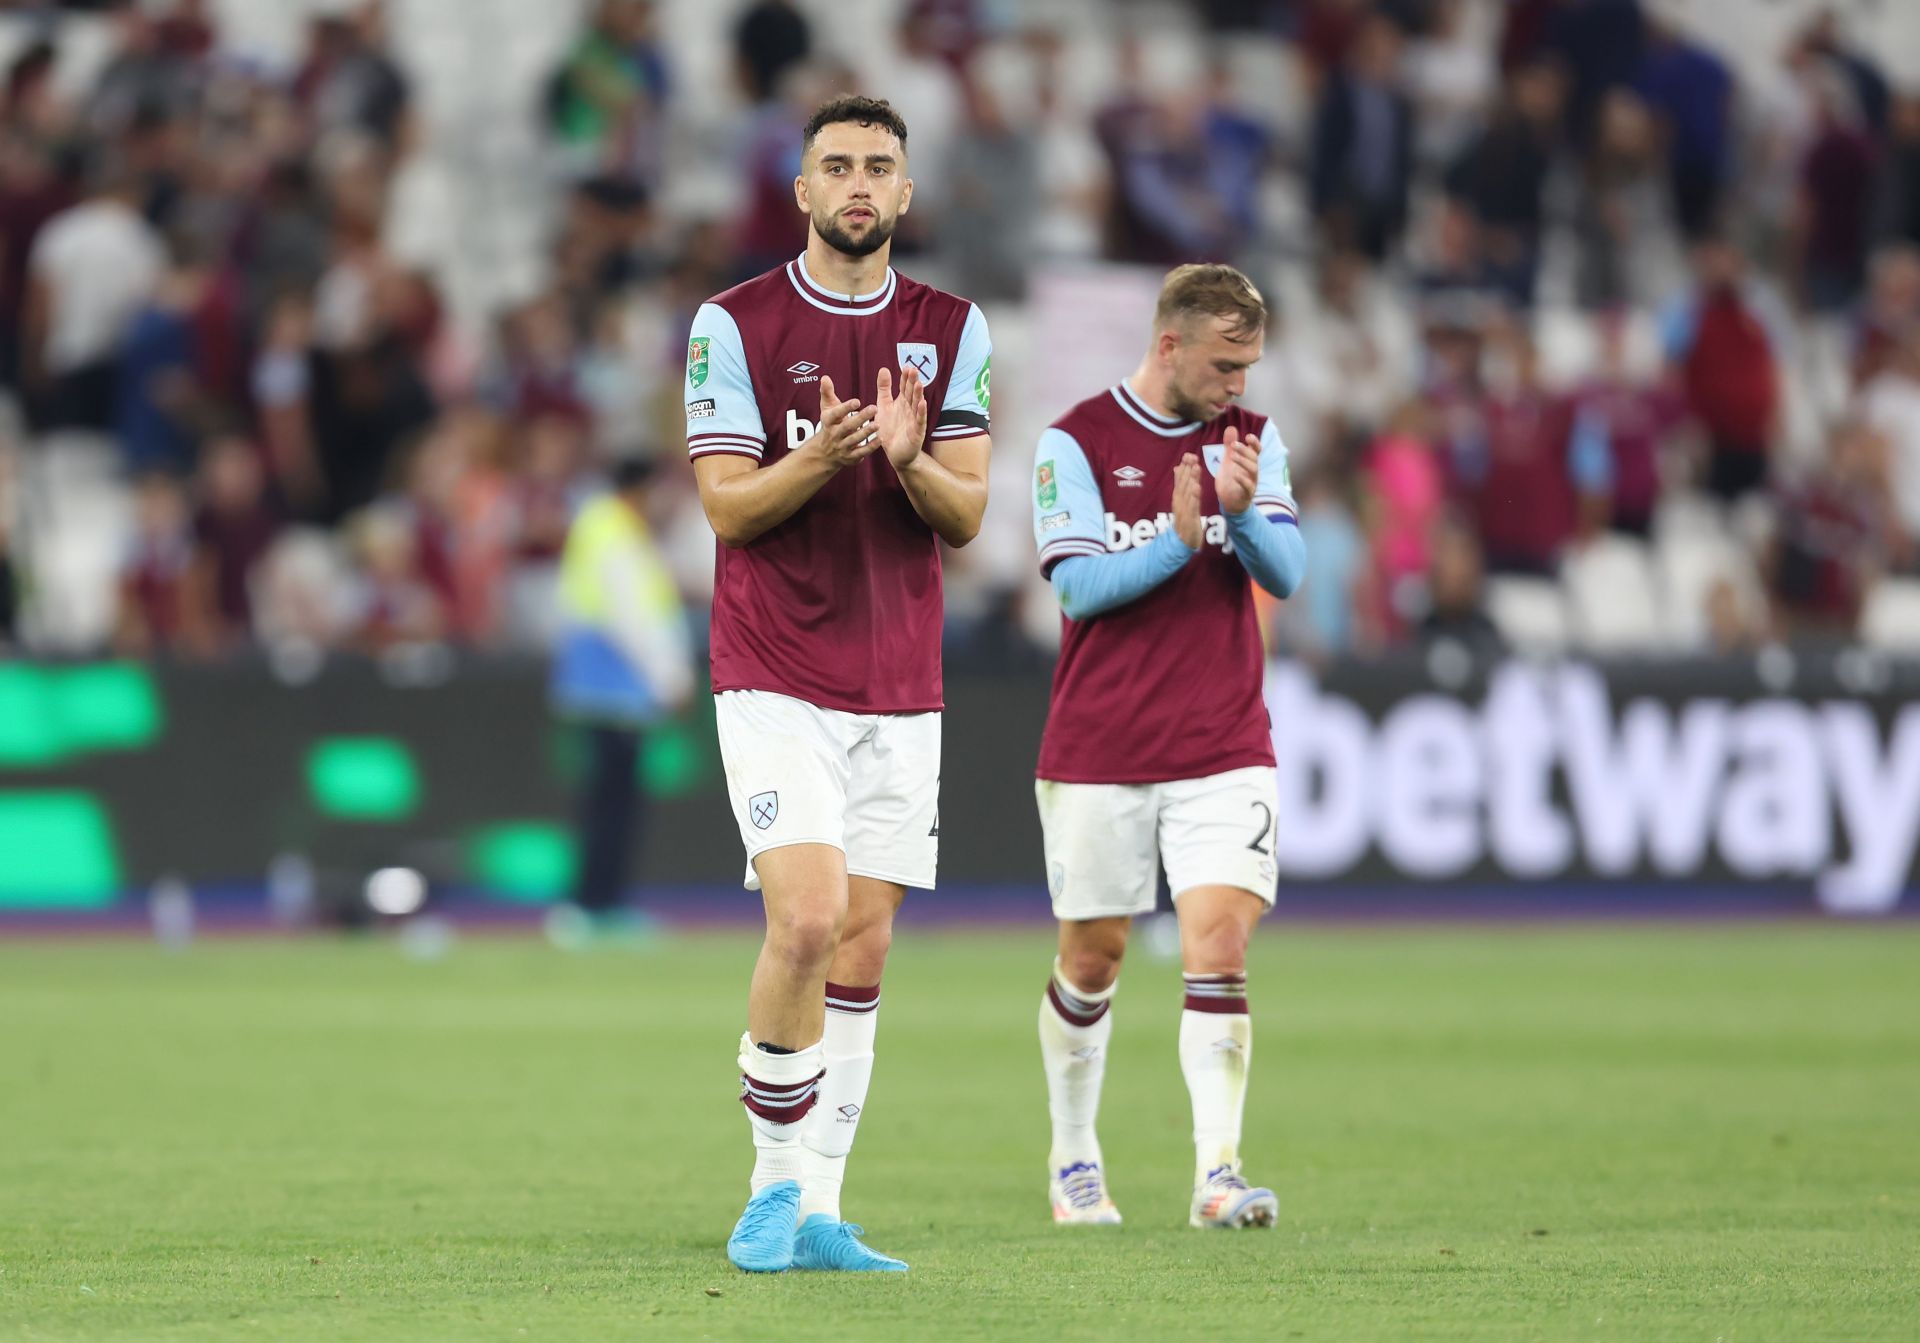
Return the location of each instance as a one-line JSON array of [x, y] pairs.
[[1105, 842], [866, 783]]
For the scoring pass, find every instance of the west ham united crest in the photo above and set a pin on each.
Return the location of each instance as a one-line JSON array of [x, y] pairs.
[[763, 808], [919, 355]]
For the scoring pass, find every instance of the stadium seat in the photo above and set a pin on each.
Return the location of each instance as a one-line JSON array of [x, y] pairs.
[[1611, 596], [1530, 613], [1891, 619], [1689, 565]]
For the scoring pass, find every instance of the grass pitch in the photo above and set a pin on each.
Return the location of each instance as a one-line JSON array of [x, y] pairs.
[[1700, 1133]]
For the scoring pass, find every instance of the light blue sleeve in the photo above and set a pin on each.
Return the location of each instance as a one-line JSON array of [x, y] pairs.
[[722, 414], [1089, 585], [1270, 548], [1273, 491], [967, 410], [1069, 517]]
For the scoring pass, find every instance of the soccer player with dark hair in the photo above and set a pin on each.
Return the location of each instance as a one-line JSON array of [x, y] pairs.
[[837, 420], [1156, 505]]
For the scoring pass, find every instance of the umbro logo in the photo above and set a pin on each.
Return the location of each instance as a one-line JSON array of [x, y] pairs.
[[1129, 475], [849, 1114], [804, 371], [1087, 1053], [1228, 1045]]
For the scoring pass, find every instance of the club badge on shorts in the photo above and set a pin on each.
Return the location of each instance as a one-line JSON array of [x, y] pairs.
[[763, 808], [920, 355]]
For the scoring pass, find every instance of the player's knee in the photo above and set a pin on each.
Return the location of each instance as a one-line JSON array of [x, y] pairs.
[[1219, 948], [1091, 968], [864, 949], [807, 935]]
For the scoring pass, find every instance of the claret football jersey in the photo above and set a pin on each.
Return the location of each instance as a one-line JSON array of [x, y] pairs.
[[840, 605], [1168, 686]]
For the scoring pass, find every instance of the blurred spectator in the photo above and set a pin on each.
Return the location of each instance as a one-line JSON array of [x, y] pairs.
[[144, 81], [1620, 425], [1406, 492], [163, 406], [186, 31], [987, 228], [1898, 217], [1822, 42], [1070, 169], [770, 39], [1524, 503], [1836, 201], [466, 389], [283, 245], [1692, 92], [1453, 281], [157, 611], [1624, 217], [600, 248], [1502, 176], [31, 194], [1600, 43], [1331, 606], [1890, 406], [1456, 606], [92, 268], [233, 528], [1363, 145], [624, 661], [35, 107], [1837, 531], [1891, 309], [771, 229], [607, 101], [1730, 626], [1328, 30], [1186, 172], [1350, 346], [1719, 338], [369, 392], [927, 91], [394, 602], [281, 382], [348, 83], [1451, 78]]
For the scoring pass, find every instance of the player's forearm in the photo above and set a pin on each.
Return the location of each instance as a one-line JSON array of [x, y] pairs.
[[1091, 585], [745, 506], [1270, 549], [951, 503]]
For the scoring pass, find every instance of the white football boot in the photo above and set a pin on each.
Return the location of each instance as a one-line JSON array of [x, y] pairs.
[[1079, 1193], [1223, 1199]]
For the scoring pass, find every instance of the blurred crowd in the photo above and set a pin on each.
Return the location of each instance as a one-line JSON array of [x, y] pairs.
[[1579, 335]]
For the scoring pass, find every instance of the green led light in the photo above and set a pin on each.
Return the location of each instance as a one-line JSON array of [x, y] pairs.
[[106, 707], [672, 761], [531, 862], [363, 778], [29, 729], [56, 852]]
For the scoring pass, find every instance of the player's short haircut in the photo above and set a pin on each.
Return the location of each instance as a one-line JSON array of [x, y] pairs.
[[1211, 290], [855, 108]]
